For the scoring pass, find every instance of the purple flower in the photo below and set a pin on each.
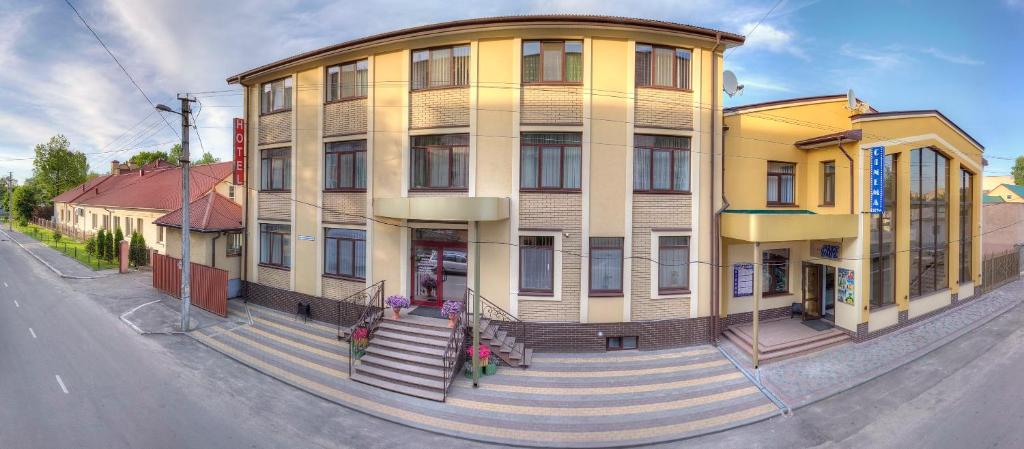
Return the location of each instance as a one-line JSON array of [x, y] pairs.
[[451, 308], [397, 302]]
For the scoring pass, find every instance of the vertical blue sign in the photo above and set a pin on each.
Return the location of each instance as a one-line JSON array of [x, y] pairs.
[[877, 196]]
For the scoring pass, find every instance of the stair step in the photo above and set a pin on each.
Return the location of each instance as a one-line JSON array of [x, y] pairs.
[[400, 365], [414, 320], [403, 377], [405, 356], [433, 395], [410, 338], [800, 350], [500, 335], [413, 328], [528, 359], [406, 346], [488, 332]]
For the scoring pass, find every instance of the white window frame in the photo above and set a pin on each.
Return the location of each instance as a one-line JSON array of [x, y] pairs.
[[556, 295], [654, 264]]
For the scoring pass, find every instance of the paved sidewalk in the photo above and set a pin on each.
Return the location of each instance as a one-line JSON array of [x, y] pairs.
[[56, 261], [578, 400], [803, 380]]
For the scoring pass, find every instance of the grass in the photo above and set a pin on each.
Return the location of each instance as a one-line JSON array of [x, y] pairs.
[[70, 247]]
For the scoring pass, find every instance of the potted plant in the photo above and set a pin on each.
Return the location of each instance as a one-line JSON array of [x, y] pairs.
[[360, 340], [483, 352], [491, 368], [429, 284], [397, 303], [451, 309]]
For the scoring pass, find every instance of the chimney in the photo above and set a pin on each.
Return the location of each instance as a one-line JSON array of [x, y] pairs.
[[115, 167]]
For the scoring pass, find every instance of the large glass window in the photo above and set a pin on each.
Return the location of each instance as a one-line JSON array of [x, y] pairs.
[[552, 61], [276, 96], [883, 241], [929, 229], [345, 253], [275, 169], [347, 80], [661, 163], [662, 66], [345, 165], [828, 183], [275, 245], [606, 265], [440, 67], [966, 229], [440, 162], [673, 264], [775, 272], [781, 183], [537, 265], [550, 161]]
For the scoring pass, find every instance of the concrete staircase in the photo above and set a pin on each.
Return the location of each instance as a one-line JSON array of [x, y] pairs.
[[406, 356], [779, 350], [503, 344]]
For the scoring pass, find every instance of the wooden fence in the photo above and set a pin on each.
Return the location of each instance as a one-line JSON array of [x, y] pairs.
[[1000, 269], [209, 286], [64, 229]]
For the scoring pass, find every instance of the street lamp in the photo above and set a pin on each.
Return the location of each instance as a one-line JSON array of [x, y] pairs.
[[186, 291]]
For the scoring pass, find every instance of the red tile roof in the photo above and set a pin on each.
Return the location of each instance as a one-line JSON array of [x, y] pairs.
[[156, 186], [211, 213]]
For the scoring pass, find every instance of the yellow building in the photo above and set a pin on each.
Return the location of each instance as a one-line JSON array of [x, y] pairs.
[[1008, 193], [797, 176], [573, 147]]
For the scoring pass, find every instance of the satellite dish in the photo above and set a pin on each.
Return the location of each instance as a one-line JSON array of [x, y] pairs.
[[729, 83], [851, 100]]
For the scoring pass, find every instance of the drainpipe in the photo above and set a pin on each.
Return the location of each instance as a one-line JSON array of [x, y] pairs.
[[715, 243], [839, 143], [213, 244]]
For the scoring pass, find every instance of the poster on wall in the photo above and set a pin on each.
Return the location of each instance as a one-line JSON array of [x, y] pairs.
[[845, 289], [742, 280]]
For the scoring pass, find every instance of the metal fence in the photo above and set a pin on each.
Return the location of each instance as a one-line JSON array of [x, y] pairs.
[[66, 230], [999, 269]]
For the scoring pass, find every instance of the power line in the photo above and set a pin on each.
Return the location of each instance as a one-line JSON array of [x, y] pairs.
[[752, 30]]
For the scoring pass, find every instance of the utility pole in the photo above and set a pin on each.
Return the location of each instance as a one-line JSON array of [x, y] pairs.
[[186, 261]]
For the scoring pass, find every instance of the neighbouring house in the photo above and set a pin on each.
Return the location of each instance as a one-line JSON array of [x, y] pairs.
[[1003, 220], [990, 182], [1010, 193], [216, 234]]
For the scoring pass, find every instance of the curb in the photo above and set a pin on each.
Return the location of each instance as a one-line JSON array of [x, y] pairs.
[[51, 267]]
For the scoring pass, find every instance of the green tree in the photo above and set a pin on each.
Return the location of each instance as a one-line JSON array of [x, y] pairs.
[[24, 199], [56, 168], [144, 157], [101, 244], [115, 246], [174, 155], [207, 158], [3, 191], [1018, 171], [92, 175], [137, 253], [90, 246]]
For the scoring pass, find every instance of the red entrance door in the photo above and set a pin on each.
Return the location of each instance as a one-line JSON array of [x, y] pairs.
[[439, 272]]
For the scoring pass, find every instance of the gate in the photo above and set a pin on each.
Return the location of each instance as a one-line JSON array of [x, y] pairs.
[[209, 286]]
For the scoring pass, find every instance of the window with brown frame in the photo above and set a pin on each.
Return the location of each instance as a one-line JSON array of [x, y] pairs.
[[345, 253], [659, 66], [966, 225], [537, 265], [775, 272], [550, 161], [781, 183], [661, 163], [345, 166], [138, 225], [440, 67], [673, 264], [275, 169], [276, 96], [552, 62], [828, 183], [605, 265], [347, 81], [440, 162], [275, 245], [234, 245]]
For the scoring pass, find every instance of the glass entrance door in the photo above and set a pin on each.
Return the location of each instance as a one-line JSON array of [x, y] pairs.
[[440, 261], [812, 291], [425, 285], [828, 298]]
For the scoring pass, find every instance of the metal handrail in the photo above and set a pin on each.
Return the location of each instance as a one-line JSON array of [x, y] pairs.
[[494, 312], [370, 318], [453, 353]]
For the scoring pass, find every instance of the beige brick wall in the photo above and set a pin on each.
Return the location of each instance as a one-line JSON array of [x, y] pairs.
[[340, 288], [345, 117], [345, 207], [552, 105], [428, 193], [276, 128], [653, 211], [664, 108], [275, 277], [439, 108], [275, 206], [556, 211]]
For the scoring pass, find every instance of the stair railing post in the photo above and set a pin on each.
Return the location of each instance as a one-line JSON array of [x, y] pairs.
[[476, 305]]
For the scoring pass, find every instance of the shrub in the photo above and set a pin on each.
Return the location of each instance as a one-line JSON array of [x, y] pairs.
[[137, 253], [90, 246], [115, 245], [102, 247], [57, 236], [22, 222]]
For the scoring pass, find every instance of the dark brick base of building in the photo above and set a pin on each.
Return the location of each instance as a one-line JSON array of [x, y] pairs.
[[592, 337], [324, 310], [748, 317], [863, 335]]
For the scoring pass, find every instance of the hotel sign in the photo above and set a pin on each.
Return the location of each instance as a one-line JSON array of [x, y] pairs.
[[239, 151], [877, 195]]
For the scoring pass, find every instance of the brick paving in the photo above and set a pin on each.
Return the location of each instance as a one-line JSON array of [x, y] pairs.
[[563, 400]]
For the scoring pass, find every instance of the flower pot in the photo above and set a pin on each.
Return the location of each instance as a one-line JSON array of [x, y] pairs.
[[395, 314], [469, 370], [451, 321], [491, 369]]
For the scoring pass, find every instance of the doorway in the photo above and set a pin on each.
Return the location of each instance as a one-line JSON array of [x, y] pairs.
[[819, 292], [440, 261]]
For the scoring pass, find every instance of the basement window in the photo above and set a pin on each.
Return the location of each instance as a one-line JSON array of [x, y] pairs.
[[621, 343]]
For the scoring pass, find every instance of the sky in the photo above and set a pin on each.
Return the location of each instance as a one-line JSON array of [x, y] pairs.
[[955, 56]]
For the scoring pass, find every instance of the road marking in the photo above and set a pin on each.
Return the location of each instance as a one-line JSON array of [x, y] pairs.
[[16, 303], [32, 332], [5, 285], [61, 382]]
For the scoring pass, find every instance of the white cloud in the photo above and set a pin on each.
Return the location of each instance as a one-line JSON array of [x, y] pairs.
[[955, 59], [885, 58], [768, 37]]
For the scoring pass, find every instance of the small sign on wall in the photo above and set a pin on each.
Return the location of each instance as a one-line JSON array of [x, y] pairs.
[[307, 238], [825, 249], [742, 280]]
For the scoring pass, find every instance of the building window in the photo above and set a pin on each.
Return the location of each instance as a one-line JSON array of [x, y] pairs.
[[662, 66], [440, 67], [552, 61], [345, 253], [621, 343], [828, 183], [550, 161], [106, 222], [138, 226], [345, 165], [161, 234], [127, 224], [966, 228], [929, 229], [440, 162], [277, 96], [537, 265], [673, 264], [883, 241], [117, 222], [234, 245], [231, 191], [275, 167], [661, 164], [94, 221], [347, 80], [781, 183], [275, 245], [775, 272], [605, 265]]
